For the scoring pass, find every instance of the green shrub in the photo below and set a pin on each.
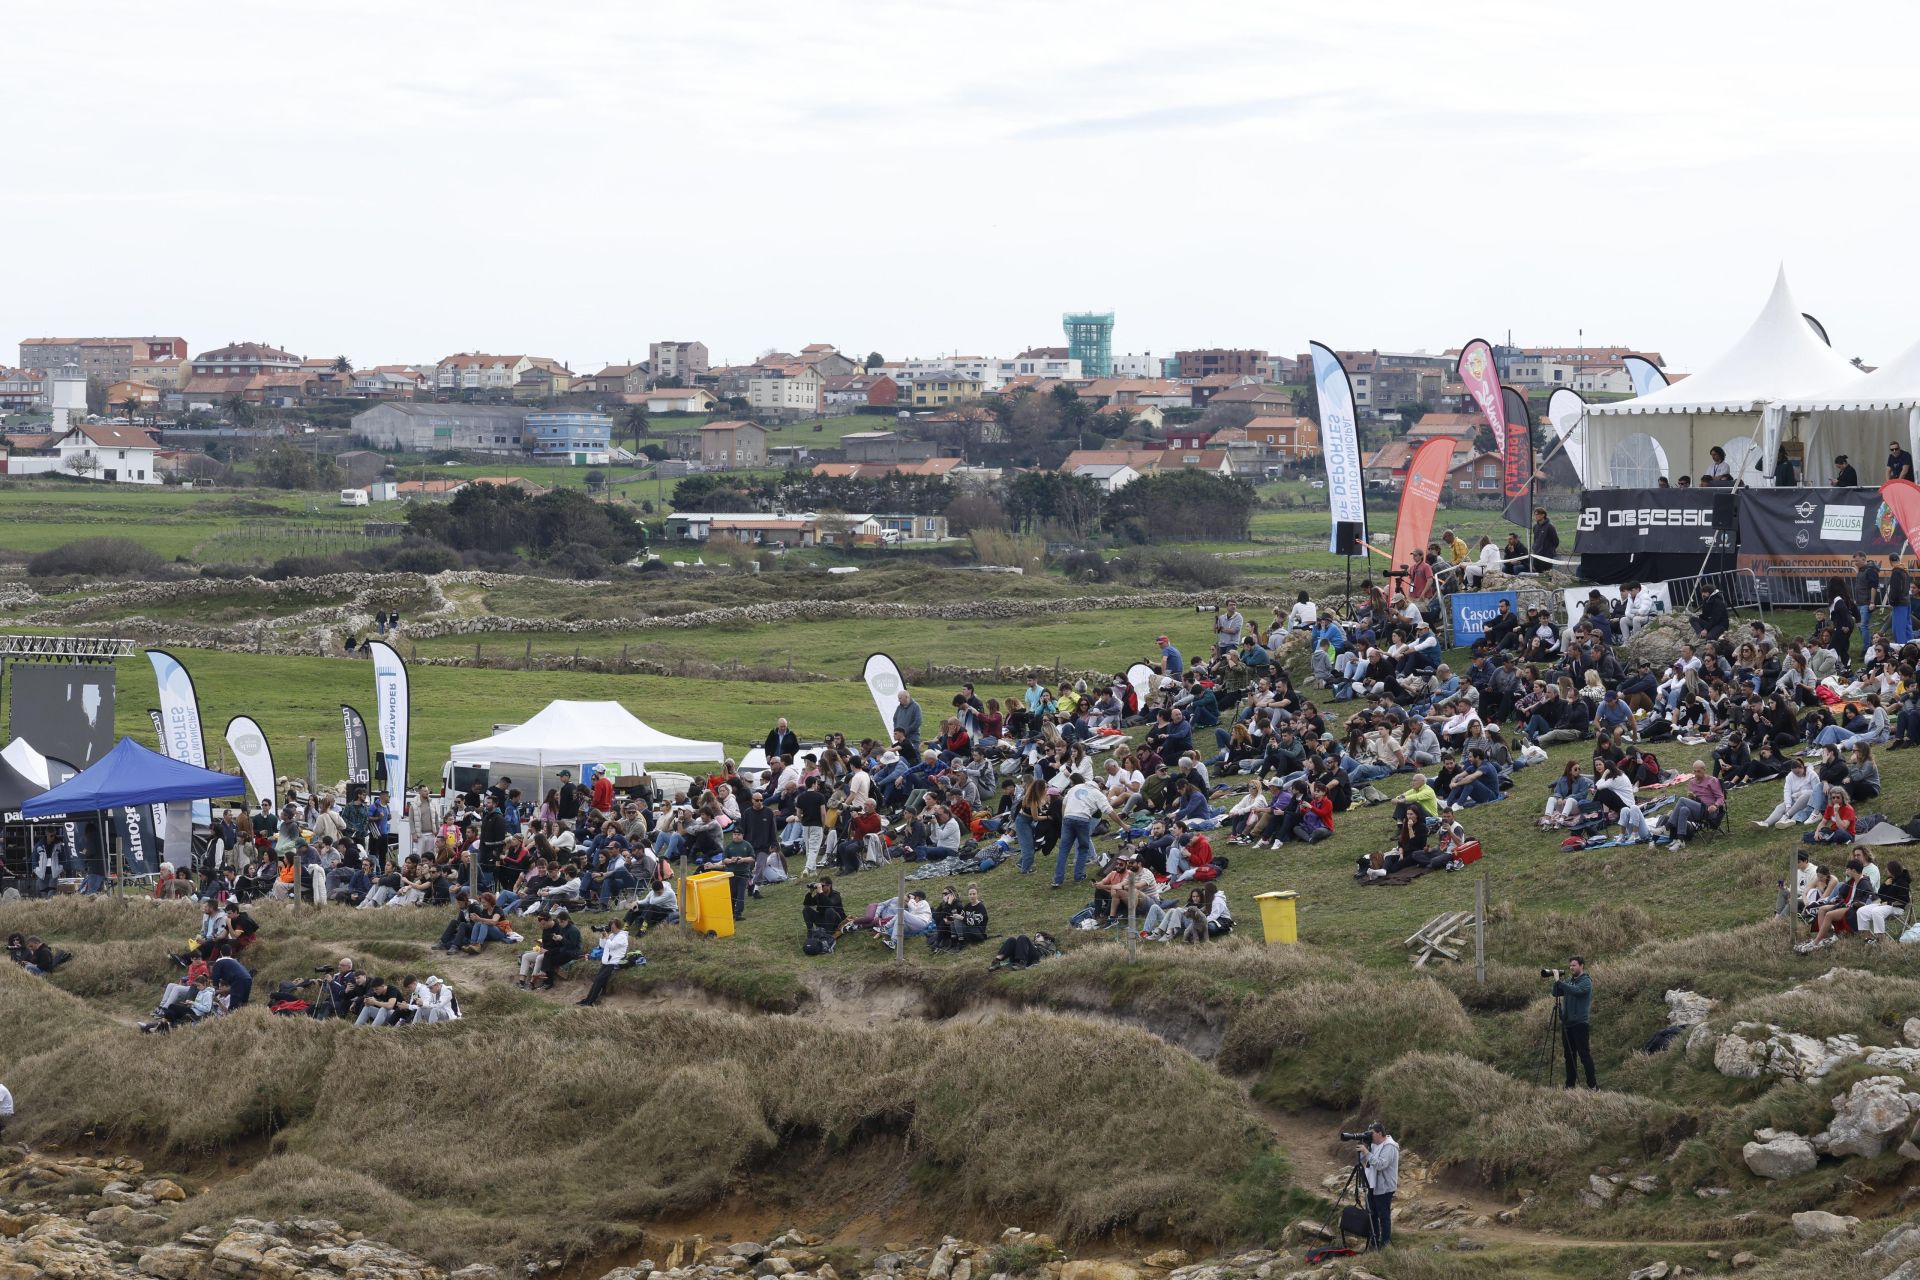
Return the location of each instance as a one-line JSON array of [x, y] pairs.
[[97, 557]]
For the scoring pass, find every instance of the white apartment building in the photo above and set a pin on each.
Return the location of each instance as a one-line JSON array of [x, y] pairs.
[[798, 392], [993, 372], [472, 371]]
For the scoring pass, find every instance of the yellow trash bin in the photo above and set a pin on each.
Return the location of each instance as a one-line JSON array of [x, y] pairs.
[[709, 905], [1277, 917]]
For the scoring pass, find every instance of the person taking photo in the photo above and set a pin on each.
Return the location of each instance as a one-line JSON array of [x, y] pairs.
[[1380, 1158], [1574, 988]]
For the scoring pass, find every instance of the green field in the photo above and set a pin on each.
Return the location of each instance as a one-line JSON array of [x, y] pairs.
[[174, 522]]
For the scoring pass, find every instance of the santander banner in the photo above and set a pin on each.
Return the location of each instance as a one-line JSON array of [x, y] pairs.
[[1426, 483]]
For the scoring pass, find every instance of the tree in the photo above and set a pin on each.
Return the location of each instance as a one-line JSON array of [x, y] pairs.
[[874, 360], [131, 407], [342, 365], [96, 394], [1036, 499], [635, 421], [1182, 505], [80, 464], [596, 480], [288, 466], [669, 380], [239, 412]]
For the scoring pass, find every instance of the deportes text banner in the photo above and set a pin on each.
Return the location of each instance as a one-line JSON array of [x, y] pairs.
[[180, 735], [1472, 610], [1339, 443], [1519, 508], [1481, 377]]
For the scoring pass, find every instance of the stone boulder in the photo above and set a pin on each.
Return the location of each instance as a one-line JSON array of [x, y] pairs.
[[1658, 1271], [1897, 1245], [1087, 1269], [1866, 1116], [1659, 642], [1783, 1155], [1687, 1008], [1817, 1224]]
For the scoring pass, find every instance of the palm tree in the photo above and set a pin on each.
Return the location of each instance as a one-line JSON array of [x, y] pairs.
[[131, 407], [342, 365], [636, 422], [239, 412]]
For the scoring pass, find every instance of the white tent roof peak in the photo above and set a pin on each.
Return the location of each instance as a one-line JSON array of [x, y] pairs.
[[1894, 385], [573, 733], [1778, 358]]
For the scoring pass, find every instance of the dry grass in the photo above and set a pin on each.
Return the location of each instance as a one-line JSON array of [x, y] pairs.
[[442, 1134], [1459, 1111], [1318, 1040]]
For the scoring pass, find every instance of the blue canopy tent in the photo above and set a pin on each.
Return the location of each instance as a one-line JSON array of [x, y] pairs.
[[131, 774], [128, 776]]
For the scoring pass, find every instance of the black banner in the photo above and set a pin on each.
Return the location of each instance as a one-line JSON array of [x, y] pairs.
[[1811, 535], [64, 709], [358, 764], [139, 847], [1616, 522]]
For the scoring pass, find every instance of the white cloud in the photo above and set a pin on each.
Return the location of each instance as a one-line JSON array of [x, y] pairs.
[[400, 181]]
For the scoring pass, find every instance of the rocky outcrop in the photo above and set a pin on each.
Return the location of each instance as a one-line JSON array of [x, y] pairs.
[[1687, 1008], [1817, 1224], [1779, 1155], [1866, 1117]]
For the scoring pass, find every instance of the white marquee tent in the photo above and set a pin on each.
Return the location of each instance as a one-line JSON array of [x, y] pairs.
[[1859, 417], [1735, 403], [573, 733]]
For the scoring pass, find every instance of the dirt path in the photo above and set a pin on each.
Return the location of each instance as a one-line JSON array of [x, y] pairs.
[[1311, 1140]]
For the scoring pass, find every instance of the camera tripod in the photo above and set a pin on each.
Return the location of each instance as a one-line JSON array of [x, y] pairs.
[[1556, 1041], [1351, 1196]]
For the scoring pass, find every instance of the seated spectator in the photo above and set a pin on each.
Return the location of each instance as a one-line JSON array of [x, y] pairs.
[[1890, 899], [659, 905], [823, 908], [1023, 952], [1127, 889], [182, 1002], [434, 1001], [33, 955], [559, 947], [963, 924], [915, 920], [1836, 825], [1567, 797], [385, 1004], [1704, 805]]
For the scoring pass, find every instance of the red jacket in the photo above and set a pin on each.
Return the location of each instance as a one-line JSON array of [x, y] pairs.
[[603, 793]]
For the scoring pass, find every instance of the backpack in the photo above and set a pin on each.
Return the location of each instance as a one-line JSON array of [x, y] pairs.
[[820, 941]]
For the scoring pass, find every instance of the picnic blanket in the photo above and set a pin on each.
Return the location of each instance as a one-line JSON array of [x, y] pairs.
[[1884, 832]]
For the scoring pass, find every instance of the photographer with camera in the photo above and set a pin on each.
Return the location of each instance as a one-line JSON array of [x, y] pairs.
[[1380, 1160], [613, 958], [1574, 989]]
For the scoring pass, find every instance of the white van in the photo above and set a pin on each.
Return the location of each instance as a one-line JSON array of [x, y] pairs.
[[353, 497]]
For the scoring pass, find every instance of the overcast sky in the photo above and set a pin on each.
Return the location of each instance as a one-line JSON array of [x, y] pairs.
[[401, 181]]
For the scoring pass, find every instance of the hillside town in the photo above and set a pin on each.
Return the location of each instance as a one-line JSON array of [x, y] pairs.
[[149, 411]]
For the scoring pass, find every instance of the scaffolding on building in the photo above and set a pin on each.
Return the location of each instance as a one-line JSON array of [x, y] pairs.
[[1090, 341]]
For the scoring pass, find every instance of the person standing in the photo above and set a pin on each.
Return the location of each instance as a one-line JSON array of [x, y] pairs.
[[781, 741], [1171, 663], [1084, 804], [1899, 593], [811, 806], [1380, 1158], [1899, 462], [1545, 541], [1574, 988], [1866, 590], [1844, 476], [907, 721], [6, 1108], [1227, 626]]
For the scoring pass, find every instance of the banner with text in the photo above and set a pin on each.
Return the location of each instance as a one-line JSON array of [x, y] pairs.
[[359, 761], [1617, 522], [180, 736], [392, 710], [1339, 443], [1426, 484], [1806, 536], [1481, 377], [1472, 610], [1519, 508]]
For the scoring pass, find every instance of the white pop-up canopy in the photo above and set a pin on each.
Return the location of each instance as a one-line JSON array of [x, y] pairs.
[[577, 732], [1732, 403], [1858, 418]]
